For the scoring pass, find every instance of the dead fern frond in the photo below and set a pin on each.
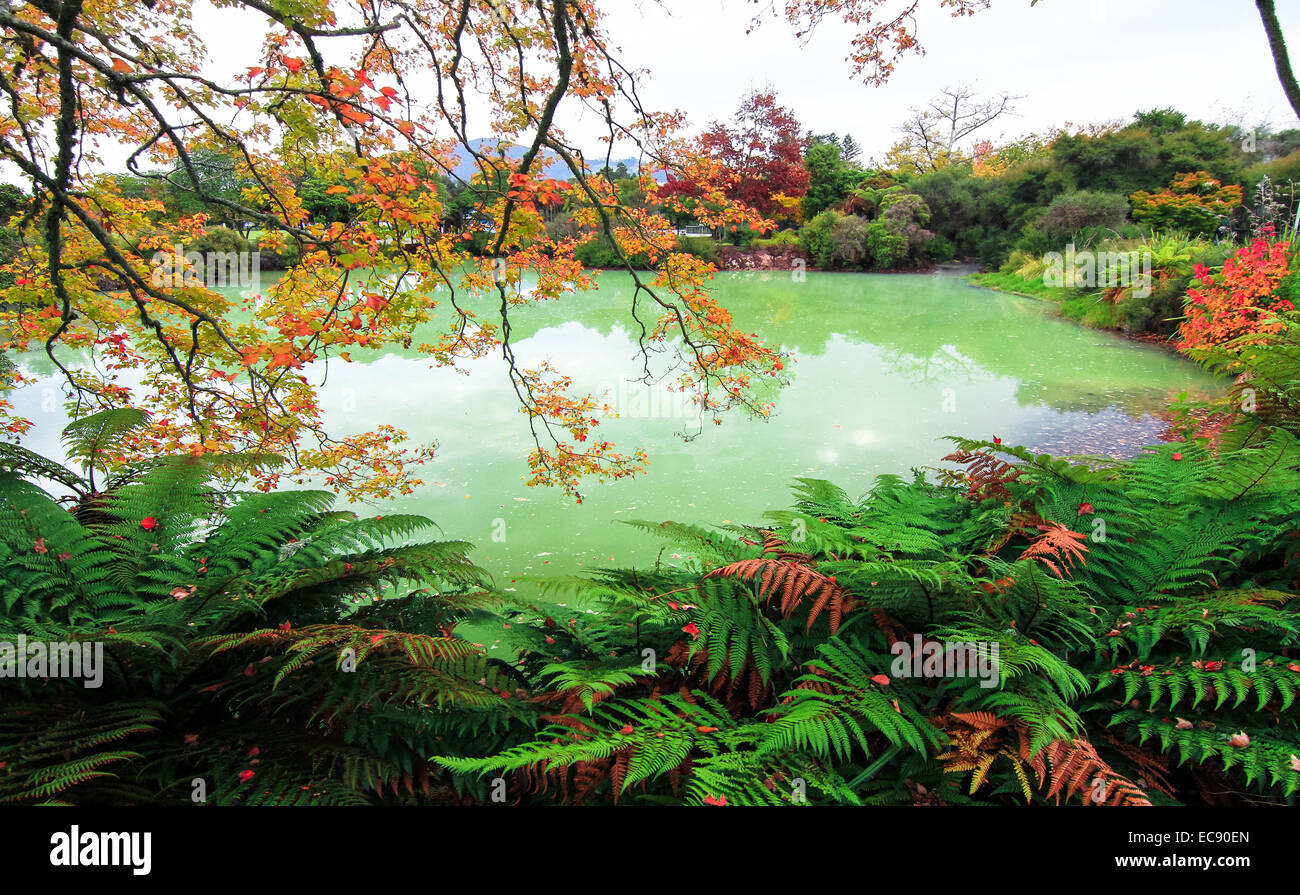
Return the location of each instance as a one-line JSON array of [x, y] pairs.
[[986, 476], [1056, 544], [793, 583], [776, 546], [1077, 769]]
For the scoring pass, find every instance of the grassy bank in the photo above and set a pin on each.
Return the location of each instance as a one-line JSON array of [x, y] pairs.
[[1085, 306]]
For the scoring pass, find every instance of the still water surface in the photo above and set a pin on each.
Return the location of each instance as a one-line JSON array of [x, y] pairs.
[[886, 366]]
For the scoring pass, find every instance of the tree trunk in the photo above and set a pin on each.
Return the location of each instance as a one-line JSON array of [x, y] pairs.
[[1268, 13]]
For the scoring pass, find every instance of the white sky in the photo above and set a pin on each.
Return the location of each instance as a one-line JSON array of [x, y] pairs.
[[1074, 60], [1077, 61]]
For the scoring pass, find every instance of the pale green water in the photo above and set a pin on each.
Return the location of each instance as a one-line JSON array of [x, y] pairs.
[[875, 354]]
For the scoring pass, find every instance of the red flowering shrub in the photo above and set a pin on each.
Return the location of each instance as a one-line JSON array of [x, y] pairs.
[[1240, 300]]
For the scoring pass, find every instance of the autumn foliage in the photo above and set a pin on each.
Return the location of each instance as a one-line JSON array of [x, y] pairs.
[[1241, 300], [334, 95], [1194, 203]]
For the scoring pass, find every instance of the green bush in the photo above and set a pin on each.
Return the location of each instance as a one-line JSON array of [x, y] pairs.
[[601, 253], [888, 250], [288, 255], [700, 246], [815, 237], [219, 239], [849, 242], [941, 250], [1069, 213], [779, 240]]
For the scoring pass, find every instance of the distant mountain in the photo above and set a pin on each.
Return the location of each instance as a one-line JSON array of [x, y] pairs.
[[556, 169]]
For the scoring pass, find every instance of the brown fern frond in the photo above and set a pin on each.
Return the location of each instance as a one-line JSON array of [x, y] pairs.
[[986, 475], [569, 720], [618, 772], [981, 720], [775, 545], [1056, 544], [887, 624], [1077, 769], [793, 583], [757, 688]]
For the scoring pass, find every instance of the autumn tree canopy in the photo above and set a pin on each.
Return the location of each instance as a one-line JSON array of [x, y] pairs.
[[762, 151], [372, 99]]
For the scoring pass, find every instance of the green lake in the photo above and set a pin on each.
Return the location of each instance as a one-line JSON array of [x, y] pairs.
[[886, 366]]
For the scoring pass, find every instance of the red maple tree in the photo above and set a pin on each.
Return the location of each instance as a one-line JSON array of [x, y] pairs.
[[762, 150]]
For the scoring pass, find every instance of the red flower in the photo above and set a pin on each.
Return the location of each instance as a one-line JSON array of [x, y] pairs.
[[693, 630], [245, 775], [627, 728], [1177, 456], [1086, 509], [148, 523], [997, 440], [715, 800], [882, 679]]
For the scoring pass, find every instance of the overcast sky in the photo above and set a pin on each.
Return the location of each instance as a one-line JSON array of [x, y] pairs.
[[1074, 60], [1078, 61]]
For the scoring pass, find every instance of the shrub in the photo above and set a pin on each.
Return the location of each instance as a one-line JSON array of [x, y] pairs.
[[1023, 264], [1195, 202], [849, 242], [888, 250], [903, 215], [779, 240], [219, 239], [815, 236], [1239, 301], [941, 250], [699, 246], [1071, 212], [601, 253]]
